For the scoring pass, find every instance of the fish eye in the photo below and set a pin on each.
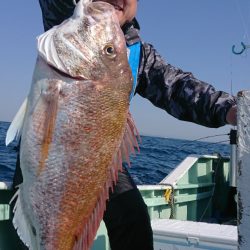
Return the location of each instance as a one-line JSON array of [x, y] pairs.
[[109, 50]]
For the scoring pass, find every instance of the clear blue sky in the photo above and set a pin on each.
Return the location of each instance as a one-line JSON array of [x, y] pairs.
[[194, 35]]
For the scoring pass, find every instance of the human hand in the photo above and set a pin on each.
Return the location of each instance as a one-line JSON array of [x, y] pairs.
[[231, 117]]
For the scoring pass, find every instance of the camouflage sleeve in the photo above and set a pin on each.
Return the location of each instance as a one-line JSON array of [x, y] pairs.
[[180, 93], [56, 11]]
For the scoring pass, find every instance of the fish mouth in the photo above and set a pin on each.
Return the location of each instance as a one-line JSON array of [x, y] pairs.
[[118, 5], [67, 75], [118, 8]]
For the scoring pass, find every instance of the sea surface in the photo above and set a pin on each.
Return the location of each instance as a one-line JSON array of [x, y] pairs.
[[157, 157]]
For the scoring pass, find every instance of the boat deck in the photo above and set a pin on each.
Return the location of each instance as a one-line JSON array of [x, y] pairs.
[[189, 208]]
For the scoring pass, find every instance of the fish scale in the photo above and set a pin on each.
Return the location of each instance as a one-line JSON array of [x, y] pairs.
[[77, 129]]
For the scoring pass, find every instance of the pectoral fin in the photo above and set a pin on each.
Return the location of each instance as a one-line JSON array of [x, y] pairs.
[[50, 101], [15, 128]]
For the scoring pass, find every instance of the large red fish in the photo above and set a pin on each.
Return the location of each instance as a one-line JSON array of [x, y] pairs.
[[76, 129]]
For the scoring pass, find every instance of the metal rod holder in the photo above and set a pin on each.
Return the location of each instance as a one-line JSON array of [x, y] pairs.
[[233, 159]]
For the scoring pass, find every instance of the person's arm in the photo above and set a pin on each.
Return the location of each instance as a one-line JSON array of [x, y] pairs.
[[55, 12], [231, 117], [181, 94]]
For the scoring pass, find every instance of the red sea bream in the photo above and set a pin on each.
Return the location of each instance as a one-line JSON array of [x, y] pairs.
[[76, 130]]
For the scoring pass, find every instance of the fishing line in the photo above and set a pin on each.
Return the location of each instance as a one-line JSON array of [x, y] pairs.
[[219, 142], [210, 136], [243, 22], [231, 73], [201, 138]]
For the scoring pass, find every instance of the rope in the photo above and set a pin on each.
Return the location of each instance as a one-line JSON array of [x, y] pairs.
[[169, 196]]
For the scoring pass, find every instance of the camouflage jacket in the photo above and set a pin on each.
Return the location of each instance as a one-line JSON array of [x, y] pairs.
[[167, 87]]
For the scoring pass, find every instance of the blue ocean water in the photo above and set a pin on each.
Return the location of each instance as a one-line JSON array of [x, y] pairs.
[[157, 157]]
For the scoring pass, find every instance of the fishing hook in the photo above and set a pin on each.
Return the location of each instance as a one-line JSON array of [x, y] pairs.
[[244, 47]]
